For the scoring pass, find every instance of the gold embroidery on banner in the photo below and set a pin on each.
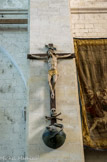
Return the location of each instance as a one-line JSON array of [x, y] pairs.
[[91, 63]]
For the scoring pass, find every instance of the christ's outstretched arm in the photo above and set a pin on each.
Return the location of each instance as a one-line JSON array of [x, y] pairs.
[[38, 57], [64, 56]]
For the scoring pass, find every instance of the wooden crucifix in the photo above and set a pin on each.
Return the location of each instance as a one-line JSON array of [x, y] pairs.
[[51, 58]]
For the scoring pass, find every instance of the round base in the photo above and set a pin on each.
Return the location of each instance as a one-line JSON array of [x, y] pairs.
[[54, 142]]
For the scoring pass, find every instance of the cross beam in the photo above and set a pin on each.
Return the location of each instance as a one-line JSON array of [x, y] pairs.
[[29, 56]]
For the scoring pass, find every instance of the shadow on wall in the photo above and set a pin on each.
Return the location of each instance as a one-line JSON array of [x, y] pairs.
[[95, 156]]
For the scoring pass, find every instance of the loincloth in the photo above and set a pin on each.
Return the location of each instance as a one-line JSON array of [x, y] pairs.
[[53, 72]]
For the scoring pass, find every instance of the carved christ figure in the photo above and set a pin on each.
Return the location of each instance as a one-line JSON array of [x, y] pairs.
[[52, 66]]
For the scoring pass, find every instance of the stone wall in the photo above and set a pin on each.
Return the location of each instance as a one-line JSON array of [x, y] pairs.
[[50, 23], [88, 3], [14, 73], [13, 83], [13, 92], [89, 20], [89, 25], [13, 4]]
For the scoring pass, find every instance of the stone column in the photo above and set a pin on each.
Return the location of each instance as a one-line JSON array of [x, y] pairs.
[[50, 23]]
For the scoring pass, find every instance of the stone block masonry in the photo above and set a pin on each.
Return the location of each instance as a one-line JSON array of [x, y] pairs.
[[50, 23], [89, 25], [88, 3], [89, 19]]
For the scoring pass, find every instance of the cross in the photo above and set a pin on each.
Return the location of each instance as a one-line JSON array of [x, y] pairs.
[[51, 56]]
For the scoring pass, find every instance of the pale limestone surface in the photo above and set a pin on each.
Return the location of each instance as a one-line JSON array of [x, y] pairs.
[[91, 23], [13, 4], [13, 92], [88, 3], [67, 103], [50, 23]]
